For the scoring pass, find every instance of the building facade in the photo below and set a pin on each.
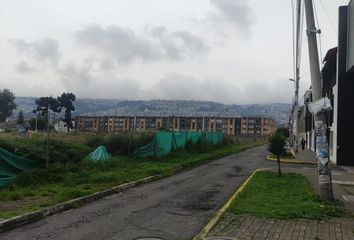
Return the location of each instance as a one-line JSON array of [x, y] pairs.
[[337, 85], [228, 125]]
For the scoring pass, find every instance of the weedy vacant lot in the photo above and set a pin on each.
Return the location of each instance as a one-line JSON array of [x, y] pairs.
[[71, 174]]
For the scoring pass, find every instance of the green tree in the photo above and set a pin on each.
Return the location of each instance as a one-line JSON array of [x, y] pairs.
[[276, 146], [284, 131], [20, 118], [44, 105], [66, 101], [41, 123], [7, 104]]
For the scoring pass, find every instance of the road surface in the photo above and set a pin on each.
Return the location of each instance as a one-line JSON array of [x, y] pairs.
[[171, 209]]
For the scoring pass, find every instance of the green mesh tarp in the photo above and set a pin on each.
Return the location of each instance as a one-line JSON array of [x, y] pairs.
[[11, 165], [99, 154], [166, 142]]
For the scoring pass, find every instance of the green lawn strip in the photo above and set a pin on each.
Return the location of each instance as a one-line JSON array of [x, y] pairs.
[[286, 197], [44, 188]]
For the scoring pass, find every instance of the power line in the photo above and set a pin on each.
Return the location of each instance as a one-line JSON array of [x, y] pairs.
[[293, 24], [305, 73], [329, 19], [318, 27]]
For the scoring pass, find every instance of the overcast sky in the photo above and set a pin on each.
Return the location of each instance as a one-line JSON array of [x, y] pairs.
[[230, 51]]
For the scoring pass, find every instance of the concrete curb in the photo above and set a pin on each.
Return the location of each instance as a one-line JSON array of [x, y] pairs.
[[204, 232], [292, 152], [16, 221], [287, 160]]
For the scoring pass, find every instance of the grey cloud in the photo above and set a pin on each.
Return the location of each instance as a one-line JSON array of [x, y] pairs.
[[192, 42], [24, 67], [268, 91], [116, 88], [86, 84], [71, 75], [179, 86], [81, 79], [235, 12], [124, 46], [179, 44], [46, 50], [107, 64]]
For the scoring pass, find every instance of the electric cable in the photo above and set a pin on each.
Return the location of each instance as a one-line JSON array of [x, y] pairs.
[[329, 19], [319, 34]]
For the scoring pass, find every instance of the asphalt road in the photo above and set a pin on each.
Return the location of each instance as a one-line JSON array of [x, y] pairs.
[[172, 208]]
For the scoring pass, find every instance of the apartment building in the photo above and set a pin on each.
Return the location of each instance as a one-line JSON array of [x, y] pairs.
[[227, 125]]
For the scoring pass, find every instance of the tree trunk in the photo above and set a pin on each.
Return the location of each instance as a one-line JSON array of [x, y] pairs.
[[279, 171]]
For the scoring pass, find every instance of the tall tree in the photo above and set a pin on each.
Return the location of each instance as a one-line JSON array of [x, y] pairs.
[[7, 104], [44, 104], [66, 101], [20, 118]]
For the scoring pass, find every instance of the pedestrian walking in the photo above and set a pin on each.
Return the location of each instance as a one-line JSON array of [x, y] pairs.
[[303, 143]]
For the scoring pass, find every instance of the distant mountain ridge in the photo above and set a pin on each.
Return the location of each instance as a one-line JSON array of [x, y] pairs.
[[278, 111]]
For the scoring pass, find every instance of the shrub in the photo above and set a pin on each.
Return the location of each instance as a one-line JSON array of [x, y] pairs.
[[95, 141], [35, 149], [125, 143], [39, 177]]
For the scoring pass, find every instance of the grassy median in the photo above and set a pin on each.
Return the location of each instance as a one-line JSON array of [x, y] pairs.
[[62, 182], [285, 197]]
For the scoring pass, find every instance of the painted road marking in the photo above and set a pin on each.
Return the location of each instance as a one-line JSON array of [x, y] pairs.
[[348, 198], [343, 182], [348, 169], [336, 173]]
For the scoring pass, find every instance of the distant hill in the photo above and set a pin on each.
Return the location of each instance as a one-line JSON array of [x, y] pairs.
[[278, 111]]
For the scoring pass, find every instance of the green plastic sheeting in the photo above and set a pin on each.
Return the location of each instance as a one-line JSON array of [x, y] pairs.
[[166, 142], [11, 165], [99, 154]]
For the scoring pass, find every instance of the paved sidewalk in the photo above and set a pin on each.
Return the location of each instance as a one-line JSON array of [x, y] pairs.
[[306, 156], [250, 227], [342, 179], [302, 157]]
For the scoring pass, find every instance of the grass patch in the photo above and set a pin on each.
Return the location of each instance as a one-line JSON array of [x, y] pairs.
[[286, 197], [65, 181]]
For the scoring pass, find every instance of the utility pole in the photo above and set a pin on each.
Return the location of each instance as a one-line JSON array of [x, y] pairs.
[[297, 78], [47, 147], [36, 122], [323, 167], [298, 41]]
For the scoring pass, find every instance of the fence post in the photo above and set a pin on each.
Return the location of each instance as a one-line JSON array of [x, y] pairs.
[[155, 147]]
